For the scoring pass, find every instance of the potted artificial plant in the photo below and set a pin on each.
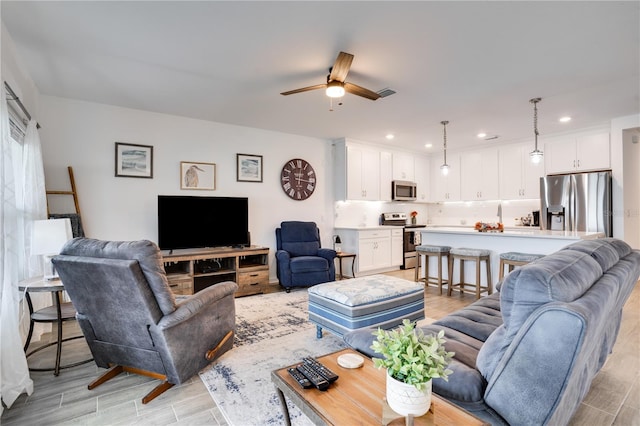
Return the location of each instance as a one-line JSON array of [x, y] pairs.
[[412, 359]]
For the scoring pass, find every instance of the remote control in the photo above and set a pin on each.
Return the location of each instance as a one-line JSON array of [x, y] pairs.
[[316, 379], [329, 375], [299, 377]]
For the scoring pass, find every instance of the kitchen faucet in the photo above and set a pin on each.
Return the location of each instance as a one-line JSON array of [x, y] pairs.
[[500, 213]]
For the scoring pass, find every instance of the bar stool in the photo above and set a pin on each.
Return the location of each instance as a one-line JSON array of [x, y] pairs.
[[514, 258], [474, 255], [428, 251]]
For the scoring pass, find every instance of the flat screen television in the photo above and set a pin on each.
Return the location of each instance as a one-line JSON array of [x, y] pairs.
[[196, 222]]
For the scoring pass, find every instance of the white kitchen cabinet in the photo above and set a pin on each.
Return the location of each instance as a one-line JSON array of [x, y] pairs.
[[397, 254], [386, 168], [403, 167], [479, 175], [376, 249], [579, 153], [519, 177], [422, 168], [445, 188], [357, 172]]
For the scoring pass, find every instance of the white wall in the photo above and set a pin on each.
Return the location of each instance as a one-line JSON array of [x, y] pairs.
[[13, 72], [621, 186], [631, 162], [83, 135]]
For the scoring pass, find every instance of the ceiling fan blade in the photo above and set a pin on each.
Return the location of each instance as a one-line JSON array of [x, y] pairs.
[[360, 91], [341, 67], [304, 89]]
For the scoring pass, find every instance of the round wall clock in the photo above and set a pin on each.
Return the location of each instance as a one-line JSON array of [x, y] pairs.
[[298, 179]]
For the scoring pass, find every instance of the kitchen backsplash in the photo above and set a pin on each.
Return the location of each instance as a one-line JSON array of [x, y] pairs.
[[468, 213], [367, 213]]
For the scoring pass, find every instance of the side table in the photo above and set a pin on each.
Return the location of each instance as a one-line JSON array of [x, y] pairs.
[[342, 255], [57, 313]]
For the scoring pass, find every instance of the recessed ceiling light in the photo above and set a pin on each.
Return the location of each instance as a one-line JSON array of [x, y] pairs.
[[482, 135], [428, 145], [390, 136], [565, 119]]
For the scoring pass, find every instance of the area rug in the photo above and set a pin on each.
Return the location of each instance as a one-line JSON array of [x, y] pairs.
[[273, 331]]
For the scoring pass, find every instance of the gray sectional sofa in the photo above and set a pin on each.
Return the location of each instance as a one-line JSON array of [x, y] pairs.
[[527, 354]]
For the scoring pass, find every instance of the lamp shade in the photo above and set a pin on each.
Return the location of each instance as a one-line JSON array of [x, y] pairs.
[[49, 236]]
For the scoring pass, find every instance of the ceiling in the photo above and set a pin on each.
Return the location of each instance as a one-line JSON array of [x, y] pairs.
[[476, 64]]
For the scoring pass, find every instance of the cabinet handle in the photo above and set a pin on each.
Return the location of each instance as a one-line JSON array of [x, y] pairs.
[[578, 163], [574, 164]]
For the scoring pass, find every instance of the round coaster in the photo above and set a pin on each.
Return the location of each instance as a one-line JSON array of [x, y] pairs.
[[350, 361]]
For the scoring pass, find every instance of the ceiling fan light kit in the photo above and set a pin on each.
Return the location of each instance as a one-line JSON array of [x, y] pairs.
[[335, 89], [536, 155]]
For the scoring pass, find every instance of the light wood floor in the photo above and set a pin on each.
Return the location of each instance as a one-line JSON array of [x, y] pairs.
[[614, 398]]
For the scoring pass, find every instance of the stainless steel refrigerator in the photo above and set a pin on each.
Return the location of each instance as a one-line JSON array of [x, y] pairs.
[[576, 202]]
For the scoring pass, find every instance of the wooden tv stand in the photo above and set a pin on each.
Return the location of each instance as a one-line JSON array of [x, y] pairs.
[[191, 270]]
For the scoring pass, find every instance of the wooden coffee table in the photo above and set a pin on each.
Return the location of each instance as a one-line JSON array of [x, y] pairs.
[[357, 398]]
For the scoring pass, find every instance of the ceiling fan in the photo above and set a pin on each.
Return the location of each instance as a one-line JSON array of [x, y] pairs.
[[336, 86]]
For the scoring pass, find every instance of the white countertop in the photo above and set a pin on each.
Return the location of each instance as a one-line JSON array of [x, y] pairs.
[[371, 228], [515, 232]]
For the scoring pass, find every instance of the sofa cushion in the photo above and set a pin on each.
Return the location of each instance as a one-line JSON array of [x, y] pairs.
[[602, 251], [465, 332], [563, 277], [304, 264], [300, 238]]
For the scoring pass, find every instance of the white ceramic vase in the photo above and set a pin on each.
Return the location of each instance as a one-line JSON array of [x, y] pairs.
[[405, 399]]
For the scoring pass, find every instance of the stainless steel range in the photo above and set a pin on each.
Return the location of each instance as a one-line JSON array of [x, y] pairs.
[[411, 237]]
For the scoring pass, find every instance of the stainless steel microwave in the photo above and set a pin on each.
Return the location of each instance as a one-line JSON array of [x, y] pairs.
[[402, 190]]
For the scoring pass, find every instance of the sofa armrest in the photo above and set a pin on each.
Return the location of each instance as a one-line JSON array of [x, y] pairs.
[[184, 337], [328, 254], [193, 304], [283, 271], [530, 380]]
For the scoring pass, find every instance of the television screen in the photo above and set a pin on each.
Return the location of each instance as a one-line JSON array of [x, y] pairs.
[[196, 222]]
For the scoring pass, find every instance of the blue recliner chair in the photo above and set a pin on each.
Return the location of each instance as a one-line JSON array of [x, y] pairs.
[[301, 262]]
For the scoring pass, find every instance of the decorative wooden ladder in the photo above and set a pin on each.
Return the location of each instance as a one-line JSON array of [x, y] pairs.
[[73, 193]]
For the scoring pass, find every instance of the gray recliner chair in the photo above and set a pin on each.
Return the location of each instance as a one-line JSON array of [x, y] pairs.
[[130, 317]]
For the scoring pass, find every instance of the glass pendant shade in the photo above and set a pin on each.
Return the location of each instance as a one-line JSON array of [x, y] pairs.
[[444, 169], [536, 156]]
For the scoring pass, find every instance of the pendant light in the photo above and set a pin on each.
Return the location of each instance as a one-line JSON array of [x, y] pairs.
[[445, 167], [536, 155]]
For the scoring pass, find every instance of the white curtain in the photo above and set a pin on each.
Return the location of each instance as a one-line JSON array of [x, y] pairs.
[[14, 372], [34, 199]]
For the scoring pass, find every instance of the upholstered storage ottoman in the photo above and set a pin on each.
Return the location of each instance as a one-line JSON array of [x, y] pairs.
[[370, 301]]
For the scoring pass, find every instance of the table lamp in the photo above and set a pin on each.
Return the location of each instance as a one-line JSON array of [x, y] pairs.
[[337, 243], [47, 239]]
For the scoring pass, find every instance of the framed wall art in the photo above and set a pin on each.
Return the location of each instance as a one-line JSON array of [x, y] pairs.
[[197, 175], [134, 160], [249, 168]]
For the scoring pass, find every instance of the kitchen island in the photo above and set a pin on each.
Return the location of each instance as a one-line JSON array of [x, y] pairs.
[[526, 240]]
